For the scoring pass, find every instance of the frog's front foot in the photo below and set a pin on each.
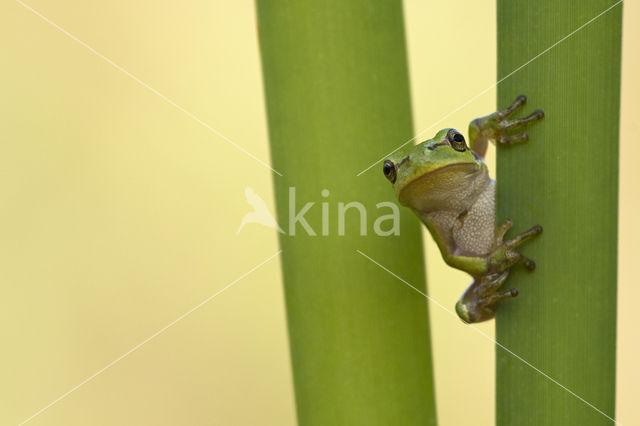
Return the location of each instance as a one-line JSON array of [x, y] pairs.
[[505, 255], [479, 301], [497, 127]]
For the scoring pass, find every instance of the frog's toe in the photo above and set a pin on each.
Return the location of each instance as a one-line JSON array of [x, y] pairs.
[[520, 101], [535, 116], [502, 230], [521, 238], [528, 263], [495, 297], [510, 140]]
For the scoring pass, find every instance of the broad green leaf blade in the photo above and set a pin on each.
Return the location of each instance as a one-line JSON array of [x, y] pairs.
[[566, 179], [337, 97]]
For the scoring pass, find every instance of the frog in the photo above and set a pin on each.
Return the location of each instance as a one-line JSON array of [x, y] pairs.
[[446, 183]]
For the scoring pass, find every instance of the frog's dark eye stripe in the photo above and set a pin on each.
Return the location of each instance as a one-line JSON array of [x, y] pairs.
[[389, 170], [404, 160], [435, 145]]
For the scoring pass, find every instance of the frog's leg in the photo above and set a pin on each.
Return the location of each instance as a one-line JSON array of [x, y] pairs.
[[474, 265], [479, 301], [471, 265], [494, 127], [504, 254]]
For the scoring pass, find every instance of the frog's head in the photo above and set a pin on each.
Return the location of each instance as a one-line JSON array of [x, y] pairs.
[[425, 175]]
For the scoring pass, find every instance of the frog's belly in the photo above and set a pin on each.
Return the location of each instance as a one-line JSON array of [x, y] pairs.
[[476, 232], [470, 233]]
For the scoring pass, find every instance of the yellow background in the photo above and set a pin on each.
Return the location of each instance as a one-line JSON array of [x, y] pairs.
[[120, 214]]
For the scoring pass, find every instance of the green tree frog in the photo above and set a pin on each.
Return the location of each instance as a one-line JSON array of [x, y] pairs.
[[447, 184]]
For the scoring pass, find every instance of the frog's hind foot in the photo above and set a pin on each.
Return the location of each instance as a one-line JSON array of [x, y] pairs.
[[479, 301], [505, 254]]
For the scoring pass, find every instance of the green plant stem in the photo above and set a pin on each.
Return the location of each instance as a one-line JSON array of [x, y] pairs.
[[566, 179], [337, 97]]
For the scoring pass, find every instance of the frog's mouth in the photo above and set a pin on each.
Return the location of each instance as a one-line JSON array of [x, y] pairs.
[[440, 188]]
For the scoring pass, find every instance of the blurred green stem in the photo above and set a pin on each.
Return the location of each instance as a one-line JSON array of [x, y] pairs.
[[337, 97]]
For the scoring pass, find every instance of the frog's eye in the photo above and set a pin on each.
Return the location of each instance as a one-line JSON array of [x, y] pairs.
[[389, 170], [456, 140]]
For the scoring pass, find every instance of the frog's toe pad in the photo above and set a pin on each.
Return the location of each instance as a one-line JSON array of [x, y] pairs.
[[528, 263]]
